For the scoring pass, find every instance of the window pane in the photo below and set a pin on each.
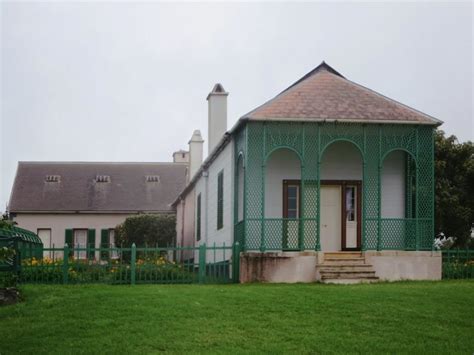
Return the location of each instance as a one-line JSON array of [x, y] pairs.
[[112, 237], [292, 191], [80, 241], [292, 204], [350, 204], [292, 201], [114, 253], [45, 236]]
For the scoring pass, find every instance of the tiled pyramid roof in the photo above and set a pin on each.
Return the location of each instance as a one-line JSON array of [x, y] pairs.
[[324, 94]]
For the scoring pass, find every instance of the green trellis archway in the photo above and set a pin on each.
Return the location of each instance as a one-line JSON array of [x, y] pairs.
[[255, 141]]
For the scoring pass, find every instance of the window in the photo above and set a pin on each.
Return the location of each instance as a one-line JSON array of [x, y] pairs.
[[113, 253], [350, 203], [52, 178], [291, 202], [220, 200], [102, 178], [80, 243], [198, 218], [152, 178], [45, 236], [107, 242]]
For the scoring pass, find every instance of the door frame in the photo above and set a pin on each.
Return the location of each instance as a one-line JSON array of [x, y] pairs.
[[342, 184]]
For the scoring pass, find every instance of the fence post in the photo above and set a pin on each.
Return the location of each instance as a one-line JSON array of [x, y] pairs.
[[202, 263], [133, 264], [65, 264], [236, 263], [16, 258]]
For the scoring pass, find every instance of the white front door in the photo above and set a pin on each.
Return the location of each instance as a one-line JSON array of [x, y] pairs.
[[331, 217]]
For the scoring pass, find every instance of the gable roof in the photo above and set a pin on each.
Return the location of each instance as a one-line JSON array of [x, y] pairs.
[[96, 187], [324, 94]]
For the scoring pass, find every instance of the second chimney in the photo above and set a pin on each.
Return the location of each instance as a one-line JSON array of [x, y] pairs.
[[217, 119], [195, 153]]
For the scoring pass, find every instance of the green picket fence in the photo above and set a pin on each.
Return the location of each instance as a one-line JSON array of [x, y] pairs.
[[135, 265], [458, 264]]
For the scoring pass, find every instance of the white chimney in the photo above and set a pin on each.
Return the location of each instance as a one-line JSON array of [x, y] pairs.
[[217, 122], [181, 156], [195, 153]]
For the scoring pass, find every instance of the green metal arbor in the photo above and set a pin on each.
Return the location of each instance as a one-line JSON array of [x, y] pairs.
[[256, 140]]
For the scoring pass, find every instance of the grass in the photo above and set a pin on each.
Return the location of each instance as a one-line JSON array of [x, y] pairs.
[[405, 317]]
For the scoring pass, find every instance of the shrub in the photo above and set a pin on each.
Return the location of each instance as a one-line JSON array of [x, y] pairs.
[[147, 229], [7, 279]]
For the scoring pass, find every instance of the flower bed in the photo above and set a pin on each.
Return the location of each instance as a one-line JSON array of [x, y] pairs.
[[115, 271]]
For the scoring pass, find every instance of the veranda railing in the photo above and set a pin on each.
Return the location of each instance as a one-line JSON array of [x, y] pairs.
[[135, 265], [270, 234]]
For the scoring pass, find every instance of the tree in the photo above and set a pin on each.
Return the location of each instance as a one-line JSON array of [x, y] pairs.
[[454, 189], [147, 229], [6, 222]]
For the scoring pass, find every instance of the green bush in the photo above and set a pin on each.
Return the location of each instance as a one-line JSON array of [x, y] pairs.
[[147, 229], [8, 279]]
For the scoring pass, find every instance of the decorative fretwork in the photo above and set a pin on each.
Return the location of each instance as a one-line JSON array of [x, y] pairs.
[[398, 137], [283, 135], [335, 131], [371, 188], [256, 140]]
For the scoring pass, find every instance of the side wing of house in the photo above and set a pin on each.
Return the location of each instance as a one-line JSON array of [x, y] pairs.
[[204, 211], [213, 202], [81, 203]]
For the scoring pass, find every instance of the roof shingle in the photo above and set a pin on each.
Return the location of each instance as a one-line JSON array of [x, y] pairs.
[[324, 94], [78, 190]]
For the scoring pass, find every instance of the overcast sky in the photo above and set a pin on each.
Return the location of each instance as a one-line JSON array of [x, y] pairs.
[[128, 82]]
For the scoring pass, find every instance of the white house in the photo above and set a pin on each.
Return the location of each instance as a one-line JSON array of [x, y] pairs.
[[81, 203], [328, 180]]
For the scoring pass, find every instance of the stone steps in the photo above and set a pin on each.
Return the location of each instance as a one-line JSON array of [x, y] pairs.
[[345, 268], [343, 255], [345, 261]]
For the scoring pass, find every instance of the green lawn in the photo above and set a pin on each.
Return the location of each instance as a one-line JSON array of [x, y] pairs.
[[414, 317]]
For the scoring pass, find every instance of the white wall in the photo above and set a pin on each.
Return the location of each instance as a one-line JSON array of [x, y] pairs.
[[341, 161], [207, 187], [222, 163], [179, 223], [283, 164], [185, 227], [393, 185], [58, 223]]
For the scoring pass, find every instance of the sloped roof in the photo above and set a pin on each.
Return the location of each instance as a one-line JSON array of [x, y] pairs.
[[73, 187], [324, 94]]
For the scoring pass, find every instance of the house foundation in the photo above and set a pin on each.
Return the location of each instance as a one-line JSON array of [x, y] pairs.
[[285, 267], [405, 265], [307, 266]]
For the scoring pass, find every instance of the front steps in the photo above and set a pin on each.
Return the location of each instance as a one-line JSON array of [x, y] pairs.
[[345, 268]]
